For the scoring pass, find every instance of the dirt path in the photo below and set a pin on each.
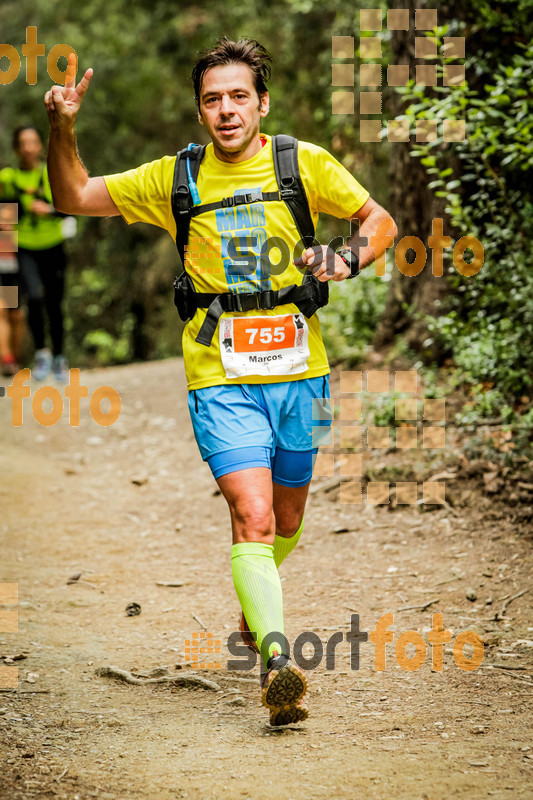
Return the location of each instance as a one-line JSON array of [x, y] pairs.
[[69, 506]]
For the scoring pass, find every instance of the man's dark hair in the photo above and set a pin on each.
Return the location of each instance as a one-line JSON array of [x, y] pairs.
[[226, 51], [19, 130]]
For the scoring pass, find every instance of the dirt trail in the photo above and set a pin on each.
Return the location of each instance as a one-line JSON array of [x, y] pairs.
[[69, 506]]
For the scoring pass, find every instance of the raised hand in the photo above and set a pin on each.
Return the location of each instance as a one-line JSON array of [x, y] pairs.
[[63, 102]]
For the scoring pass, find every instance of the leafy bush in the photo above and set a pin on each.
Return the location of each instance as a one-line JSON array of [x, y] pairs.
[[486, 181], [349, 321]]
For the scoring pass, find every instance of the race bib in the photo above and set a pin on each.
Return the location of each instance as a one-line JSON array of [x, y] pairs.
[[264, 345]]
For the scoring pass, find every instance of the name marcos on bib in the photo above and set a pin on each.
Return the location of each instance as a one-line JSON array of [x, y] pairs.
[[264, 345]]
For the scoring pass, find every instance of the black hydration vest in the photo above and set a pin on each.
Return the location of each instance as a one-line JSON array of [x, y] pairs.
[[310, 295]]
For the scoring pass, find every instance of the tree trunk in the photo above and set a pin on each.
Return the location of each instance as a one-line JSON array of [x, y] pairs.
[[413, 207]]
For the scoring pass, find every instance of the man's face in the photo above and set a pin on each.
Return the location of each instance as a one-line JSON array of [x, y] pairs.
[[29, 148], [231, 111]]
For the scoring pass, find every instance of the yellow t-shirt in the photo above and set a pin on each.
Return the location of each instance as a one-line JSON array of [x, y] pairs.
[[143, 195]]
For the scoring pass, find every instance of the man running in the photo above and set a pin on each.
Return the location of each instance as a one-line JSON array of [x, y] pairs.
[[254, 376]]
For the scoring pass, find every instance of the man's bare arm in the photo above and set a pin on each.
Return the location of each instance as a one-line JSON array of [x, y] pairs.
[[376, 231], [73, 191]]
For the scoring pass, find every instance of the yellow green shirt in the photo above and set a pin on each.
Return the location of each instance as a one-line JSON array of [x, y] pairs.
[[35, 231], [144, 195]]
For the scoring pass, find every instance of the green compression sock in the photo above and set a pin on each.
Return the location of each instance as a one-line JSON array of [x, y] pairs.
[[284, 546], [258, 588]]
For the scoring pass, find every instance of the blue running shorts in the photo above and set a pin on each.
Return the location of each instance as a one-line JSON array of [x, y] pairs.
[[273, 425]]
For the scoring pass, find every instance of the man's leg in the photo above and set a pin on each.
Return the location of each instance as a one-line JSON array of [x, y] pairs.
[[249, 496], [248, 493], [224, 418], [289, 504]]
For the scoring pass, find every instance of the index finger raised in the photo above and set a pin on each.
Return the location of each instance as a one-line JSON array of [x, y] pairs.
[[70, 77]]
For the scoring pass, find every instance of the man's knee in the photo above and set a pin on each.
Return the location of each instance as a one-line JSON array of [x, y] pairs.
[[254, 520], [287, 525]]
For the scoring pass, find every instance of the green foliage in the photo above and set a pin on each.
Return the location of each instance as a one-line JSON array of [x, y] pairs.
[[349, 321], [486, 182], [383, 409], [140, 106], [106, 348]]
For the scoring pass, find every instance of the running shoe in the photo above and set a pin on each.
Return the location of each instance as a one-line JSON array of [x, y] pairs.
[[288, 715], [247, 637], [60, 368], [284, 686], [43, 364]]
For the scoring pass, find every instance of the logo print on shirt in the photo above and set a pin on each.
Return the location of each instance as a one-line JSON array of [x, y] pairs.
[[242, 235]]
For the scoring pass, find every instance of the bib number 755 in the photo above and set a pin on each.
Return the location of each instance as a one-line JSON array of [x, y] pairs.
[[265, 335]]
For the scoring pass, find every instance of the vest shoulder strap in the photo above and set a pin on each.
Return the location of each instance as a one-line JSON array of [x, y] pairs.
[[285, 151], [288, 178], [181, 199]]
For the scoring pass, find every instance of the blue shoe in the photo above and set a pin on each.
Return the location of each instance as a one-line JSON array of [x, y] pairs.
[[60, 367], [43, 364]]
